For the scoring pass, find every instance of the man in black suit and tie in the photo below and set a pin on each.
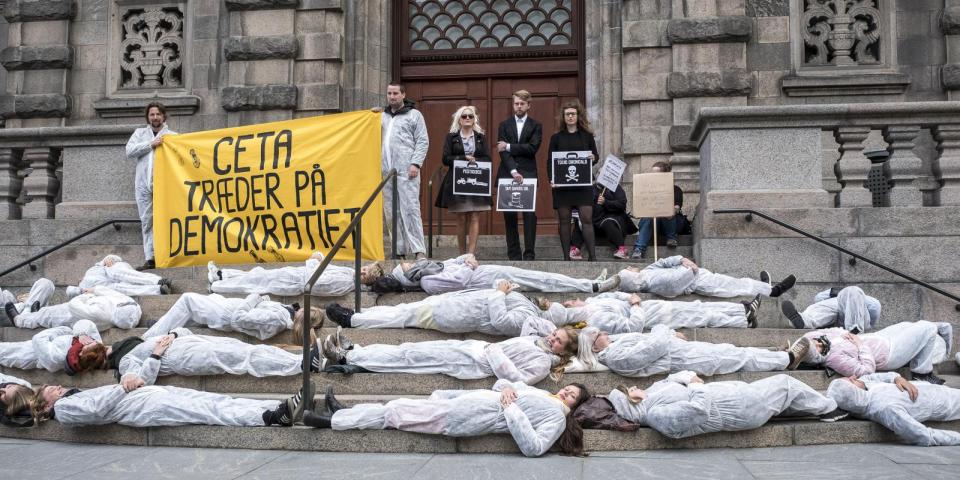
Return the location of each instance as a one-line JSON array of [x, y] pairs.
[[518, 140]]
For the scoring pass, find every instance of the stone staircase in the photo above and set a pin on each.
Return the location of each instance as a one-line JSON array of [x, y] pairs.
[[774, 332]]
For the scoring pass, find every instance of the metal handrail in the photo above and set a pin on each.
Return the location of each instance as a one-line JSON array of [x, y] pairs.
[[29, 261], [354, 226], [855, 256], [430, 212]]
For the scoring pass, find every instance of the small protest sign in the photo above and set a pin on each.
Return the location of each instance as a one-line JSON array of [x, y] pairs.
[[517, 197], [611, 172], [472, 178], [572, 169]]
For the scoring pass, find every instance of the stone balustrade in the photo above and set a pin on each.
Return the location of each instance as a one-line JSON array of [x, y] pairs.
[[771, 156]]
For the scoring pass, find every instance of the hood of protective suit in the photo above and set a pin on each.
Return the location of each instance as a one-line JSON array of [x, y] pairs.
[[848, 396], [556, 314], [585, 346], [115, 258], [407, 106], [398, 274], [813, 355]]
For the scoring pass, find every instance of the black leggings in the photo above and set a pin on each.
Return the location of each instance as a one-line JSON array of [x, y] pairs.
[[586, 220], [609, 229]]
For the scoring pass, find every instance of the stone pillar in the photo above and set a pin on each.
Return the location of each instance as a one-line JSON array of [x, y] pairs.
[[950, 27], [10, 184], [41, 185], [946, 167], [904, 168], [853, 167]]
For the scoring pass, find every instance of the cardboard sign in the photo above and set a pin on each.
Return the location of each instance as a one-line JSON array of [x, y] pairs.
[[611, 172], [653, 195], [472, 178], [572, 169], [517, 197]]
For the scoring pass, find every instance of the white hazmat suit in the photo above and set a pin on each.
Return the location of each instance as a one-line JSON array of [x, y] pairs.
[[139, 149], [521, 359], [613, 313], [106, 308], [457, 274], [204, 355], [679, 408], [660, 351], [486, 311], [40, 292], [917, 344], [668, 278], [850, 308], [285, 281], [47, 349], [535, 420], [121, 277], [254, 315], [404, 142], [884, 403]]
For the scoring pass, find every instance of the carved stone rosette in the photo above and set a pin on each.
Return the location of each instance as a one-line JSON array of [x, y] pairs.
[[151, 52], [841, 32]]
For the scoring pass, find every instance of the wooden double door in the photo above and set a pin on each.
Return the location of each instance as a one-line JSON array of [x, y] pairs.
[[438, 100]]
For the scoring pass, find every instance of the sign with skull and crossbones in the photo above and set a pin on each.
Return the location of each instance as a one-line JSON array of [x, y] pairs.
[[571, 169]]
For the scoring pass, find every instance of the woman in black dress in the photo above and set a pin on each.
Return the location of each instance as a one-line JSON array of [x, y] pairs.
[[573, 134], [464, 142]]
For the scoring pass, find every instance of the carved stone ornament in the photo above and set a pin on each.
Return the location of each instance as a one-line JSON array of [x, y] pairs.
[[152, 49], [469, 24], [841, 32]]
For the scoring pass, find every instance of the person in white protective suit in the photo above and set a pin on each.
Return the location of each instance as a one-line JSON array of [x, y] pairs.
[[536, 419], [848, 308], [664, 350], [140, 147], [499, 311], [160, 406], [620, 312], [526, 359], [404, 142], [112, 272], [15, 397], [38, 297], [902, 406], [918, 345], [255, 315], [192, 355], [673, 276], [683, 405], [290, 281], [465, 272], [101, 305], [74, 349]]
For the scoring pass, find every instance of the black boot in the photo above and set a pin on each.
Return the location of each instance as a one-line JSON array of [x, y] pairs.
[[316, 420], [783, 285], [148, 265], [166, 288], [35, 307], [792, 314], [332, 403], [340, 315], [11, 310]]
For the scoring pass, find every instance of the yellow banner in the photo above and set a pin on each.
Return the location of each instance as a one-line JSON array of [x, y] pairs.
[[273, 192]]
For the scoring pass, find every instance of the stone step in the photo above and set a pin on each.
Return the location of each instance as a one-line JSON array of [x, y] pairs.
[[546, 241], [778, 432], [498, 252]]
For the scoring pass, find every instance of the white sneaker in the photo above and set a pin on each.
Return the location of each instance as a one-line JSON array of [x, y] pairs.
[[212, 272], [73, 291], [602, 276]]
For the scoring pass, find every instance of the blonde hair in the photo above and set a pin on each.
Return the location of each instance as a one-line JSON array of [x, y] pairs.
[[522, 95], [38, 406], [455, 125], [569, 351], [21, 399], [296, 333]]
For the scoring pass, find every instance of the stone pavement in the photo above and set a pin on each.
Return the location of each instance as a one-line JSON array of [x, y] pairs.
[[31, 459]]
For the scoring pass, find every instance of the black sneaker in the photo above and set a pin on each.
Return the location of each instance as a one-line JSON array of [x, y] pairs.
[[798, 352], [927, 377], [751, 309], [834, 416], [148, 265], [296, 404], [340, 315], [11, 310], [278, 416], [765, 277], [316, 420], [783, 285], [316, 361], [35, 307], [792, 314]]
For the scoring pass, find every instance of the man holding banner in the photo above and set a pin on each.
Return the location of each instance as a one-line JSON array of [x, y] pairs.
[[404, 144], [140, 148]]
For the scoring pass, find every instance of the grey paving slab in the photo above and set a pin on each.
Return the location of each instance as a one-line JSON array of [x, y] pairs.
[[933, 472], [848, 454], [208, 464], [496, 467], [906, 454], [359, 465], [60, 460], [818, 470], [690, 466]]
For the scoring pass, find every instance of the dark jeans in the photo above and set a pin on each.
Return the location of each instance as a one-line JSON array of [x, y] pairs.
[[513, 235], [665, 226]]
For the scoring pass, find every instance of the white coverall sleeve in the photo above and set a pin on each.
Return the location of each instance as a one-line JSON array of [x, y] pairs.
[[622, 296], [422, 142], [540, 327], [882, 377], [899, 420], [675, 419], [147, 370], [504, 368], [684, 377], [502, 384], [249, 303], [86, 327], [533, 442], [505, 321], [638, 318], [667, 262], [117, 297], [138, 145], [88, 407], [448, 394], [43, 341]]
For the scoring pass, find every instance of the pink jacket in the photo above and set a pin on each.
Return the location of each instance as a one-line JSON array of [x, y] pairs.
[[847, 359]]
